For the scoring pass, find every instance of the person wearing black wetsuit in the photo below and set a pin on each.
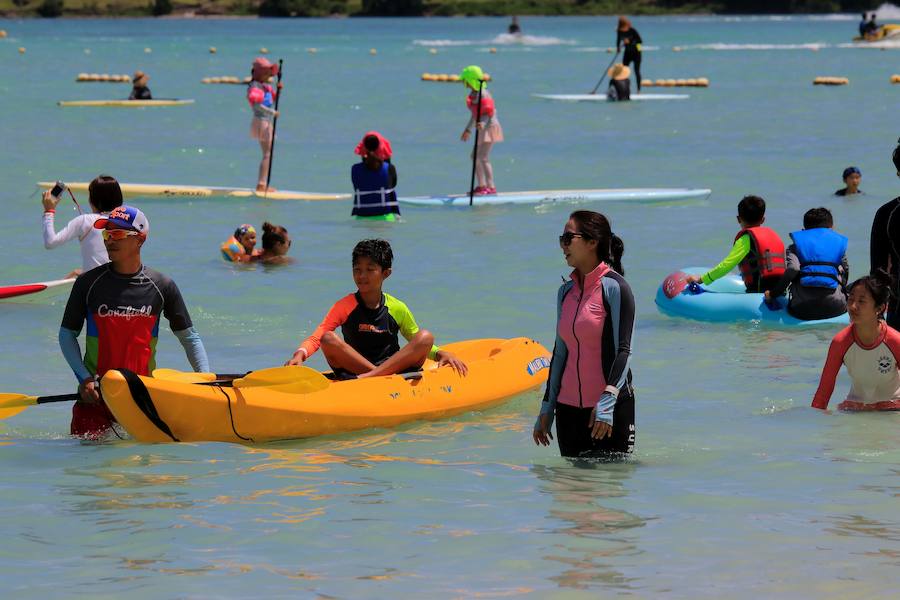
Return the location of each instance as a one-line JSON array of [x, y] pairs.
[[884, 246], [514, 28], [627, 36], [140, 91]]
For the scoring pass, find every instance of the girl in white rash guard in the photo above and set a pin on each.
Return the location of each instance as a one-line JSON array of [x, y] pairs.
[[104, 194], [868, 347]]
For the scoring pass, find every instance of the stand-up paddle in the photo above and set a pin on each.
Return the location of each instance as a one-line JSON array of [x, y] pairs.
[[475, 149], [274, 126], [602, 77]]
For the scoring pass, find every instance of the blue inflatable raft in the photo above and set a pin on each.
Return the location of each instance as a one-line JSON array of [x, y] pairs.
[[725, 300]]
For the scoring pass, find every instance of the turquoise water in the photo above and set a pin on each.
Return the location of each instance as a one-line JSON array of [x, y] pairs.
[[737, 488]]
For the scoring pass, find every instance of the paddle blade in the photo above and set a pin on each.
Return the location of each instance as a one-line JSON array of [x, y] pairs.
[[6, 413], [183, 376], [16, 400], [674, 284], [302, 378]]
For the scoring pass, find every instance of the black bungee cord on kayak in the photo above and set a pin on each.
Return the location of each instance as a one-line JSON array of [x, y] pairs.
[[231, 415]]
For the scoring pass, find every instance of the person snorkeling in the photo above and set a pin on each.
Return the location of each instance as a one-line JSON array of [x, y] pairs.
[[139, 90], [852, 177], [489, 130], [628, 36], [374, 180], [757, 250], [240, 247], [261, 96], [619, 85]]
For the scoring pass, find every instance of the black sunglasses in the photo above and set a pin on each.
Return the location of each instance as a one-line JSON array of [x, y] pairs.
[[566, 238]]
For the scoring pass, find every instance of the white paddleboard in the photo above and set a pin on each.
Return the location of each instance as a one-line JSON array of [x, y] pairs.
[[151, 190], [602, 97], [570, 196], [125, 103]]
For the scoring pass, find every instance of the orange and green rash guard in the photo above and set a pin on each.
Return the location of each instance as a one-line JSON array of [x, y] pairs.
[[370, 331]]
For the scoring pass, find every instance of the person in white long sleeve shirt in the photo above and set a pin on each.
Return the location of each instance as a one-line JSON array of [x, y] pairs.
[[104, 194]]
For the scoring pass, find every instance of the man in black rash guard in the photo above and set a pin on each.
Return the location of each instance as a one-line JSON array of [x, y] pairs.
[[884, 246]]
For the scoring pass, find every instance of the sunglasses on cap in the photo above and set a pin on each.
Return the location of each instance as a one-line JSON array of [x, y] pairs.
[[117, 234], [566, 238]]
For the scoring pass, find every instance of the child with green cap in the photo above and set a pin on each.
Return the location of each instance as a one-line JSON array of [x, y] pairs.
[[489, 130]]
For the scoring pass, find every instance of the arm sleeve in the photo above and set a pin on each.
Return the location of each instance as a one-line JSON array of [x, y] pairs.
[[76, 309], [174, 309], [791, 270], [71, 351], [193, 348], [409, 327], [392, 172], [739, 250], [72, 231], [845, 272], [336, 317], [620, 303], [836, 351], [471, 123], [618, 41], [637, 37], [879, 244]]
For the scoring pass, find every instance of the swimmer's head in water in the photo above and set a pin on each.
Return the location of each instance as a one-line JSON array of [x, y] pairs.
[[275, 238], [851, 171], [378, 251]]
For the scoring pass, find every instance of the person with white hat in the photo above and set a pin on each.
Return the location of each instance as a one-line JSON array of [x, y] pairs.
[[121, 302], [619, 85]]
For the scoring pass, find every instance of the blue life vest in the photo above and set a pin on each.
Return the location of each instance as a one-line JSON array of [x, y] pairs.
[[372, 194], [820, 251]]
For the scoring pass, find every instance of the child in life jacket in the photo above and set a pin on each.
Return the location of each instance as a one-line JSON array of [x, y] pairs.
[[241, 247], [816, 269], [757, 250], [489, 130], [261, 96], [868, 347], [374, 180]]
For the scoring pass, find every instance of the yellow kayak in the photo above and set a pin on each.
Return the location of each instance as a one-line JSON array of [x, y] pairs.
[[498, 370], [125, 103], [152, 190]]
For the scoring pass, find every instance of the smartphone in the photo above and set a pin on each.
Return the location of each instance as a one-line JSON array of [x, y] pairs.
[[58, 189]]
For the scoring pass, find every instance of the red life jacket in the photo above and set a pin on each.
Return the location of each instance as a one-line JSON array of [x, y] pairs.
[[765, 259], [487, 104]]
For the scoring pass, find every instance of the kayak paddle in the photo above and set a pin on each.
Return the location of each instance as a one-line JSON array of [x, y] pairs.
[[13, 404], [602, 77], [301, 380], [274, 126], [475, 149]]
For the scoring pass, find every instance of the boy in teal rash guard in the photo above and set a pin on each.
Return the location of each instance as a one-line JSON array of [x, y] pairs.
[[757, 250], [370, 321]]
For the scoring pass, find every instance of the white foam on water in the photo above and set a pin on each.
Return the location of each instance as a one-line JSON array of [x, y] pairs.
[[504, 39], [721, 46]]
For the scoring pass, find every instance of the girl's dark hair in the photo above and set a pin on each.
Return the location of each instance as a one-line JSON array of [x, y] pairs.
[[272, 234], [879, 284], [371, 143], [379, 251], [104, 193], [595, 226]]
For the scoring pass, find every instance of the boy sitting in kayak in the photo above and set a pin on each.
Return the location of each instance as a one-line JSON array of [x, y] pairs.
[[757, 250], [370, 321]]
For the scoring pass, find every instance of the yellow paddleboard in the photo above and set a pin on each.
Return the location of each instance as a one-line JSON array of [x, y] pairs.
[[150, 190], [125, 103]]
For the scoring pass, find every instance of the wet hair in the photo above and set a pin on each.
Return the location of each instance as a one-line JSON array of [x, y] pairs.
[[379, 251], [879, 285], [752, 209], [850, 171], [104, 193], [272, 234], [595, 226], [624, 24], [817, 217], [371, 143]]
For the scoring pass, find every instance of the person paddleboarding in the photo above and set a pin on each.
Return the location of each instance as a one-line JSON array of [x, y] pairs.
[[628, 37], [261, 96], [489, 130]]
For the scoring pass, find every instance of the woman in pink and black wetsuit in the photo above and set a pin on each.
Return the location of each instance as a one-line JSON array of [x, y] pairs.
[[870, 349], [589, 390]]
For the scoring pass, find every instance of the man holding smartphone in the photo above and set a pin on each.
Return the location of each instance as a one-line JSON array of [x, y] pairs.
[[104, 194], [121, 302]]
